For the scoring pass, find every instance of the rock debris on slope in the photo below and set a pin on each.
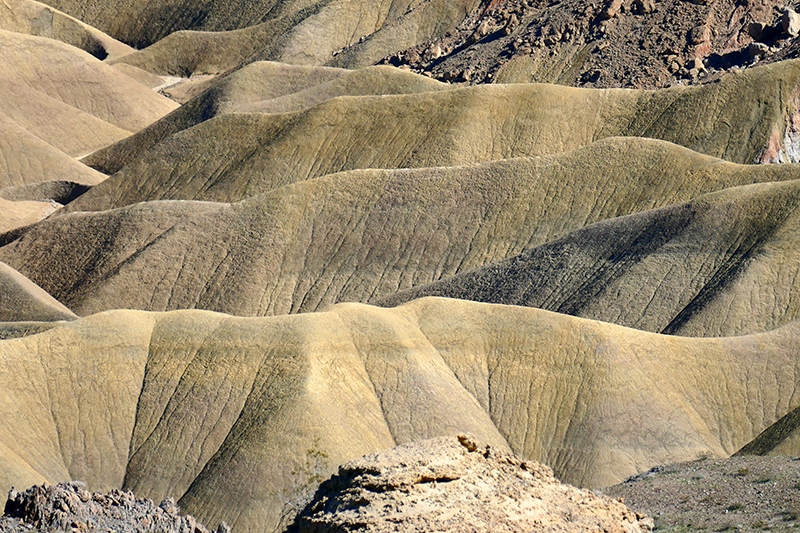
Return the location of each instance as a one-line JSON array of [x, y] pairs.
[[70, 507], [610, 43], [455, 484], [744, 494]]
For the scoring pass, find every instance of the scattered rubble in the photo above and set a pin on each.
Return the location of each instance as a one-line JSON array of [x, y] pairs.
[[643, 44], [69, 507]]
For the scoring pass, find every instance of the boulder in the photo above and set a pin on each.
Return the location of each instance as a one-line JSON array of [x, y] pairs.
[[790, 22]]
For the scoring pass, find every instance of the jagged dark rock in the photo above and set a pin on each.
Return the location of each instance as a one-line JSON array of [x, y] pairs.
[[70, 507]]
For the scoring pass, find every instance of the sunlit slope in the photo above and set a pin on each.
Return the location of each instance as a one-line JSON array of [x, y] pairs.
[[61, 126], [264, 87], [306, 37], [22, 300], [235, 156], [35, 18], [21, 213], [219, 410], [725, 263], [294, 31], [25, 158], [359, 235], [57, 103], [79, 80]]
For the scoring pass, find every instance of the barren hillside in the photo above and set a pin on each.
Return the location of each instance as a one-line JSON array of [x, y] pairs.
[[241, 237]]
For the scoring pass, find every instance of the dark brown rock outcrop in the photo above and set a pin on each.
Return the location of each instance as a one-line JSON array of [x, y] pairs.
[[610, 43]]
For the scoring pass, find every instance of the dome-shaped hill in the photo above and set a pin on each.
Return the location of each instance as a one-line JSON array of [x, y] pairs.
[[79, 80], [235, 156], [723, 264], [295, 31], [363, 234], [71, 131], [219, 410], [27, 159], [57, 102], [105, 241], [23, 300], [265, 87], [35, 18]]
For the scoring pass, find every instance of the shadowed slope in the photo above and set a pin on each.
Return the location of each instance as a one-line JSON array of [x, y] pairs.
[[220, 409], [79, 80], [35, 18], [23, 300], [360, 234], [781, 438], [724, 264], [264, 87], [236, 156]]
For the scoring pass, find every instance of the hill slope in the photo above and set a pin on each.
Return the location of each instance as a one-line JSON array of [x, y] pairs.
[[264, 87], [35, 18], [296, 31], [235, 156], [360, 234], [22, 300], [220, 409], [79, 80], [723, 264]]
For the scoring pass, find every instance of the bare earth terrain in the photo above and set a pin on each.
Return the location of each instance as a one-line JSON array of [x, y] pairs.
[[244, 243]]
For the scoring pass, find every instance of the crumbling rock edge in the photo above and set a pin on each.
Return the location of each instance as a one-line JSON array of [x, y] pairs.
[[457, 484], [70, 507]]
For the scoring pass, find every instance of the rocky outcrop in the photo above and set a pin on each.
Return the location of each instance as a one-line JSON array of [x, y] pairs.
[[613, 43], [456, 484], [70, 507]]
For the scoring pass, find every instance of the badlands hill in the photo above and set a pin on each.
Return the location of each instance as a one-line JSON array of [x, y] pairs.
[[296, 31], [685, 269], [57, 103], [265, 87], [744, 118], [219, 410], [23, 301], [363, 235], [621, 263]]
